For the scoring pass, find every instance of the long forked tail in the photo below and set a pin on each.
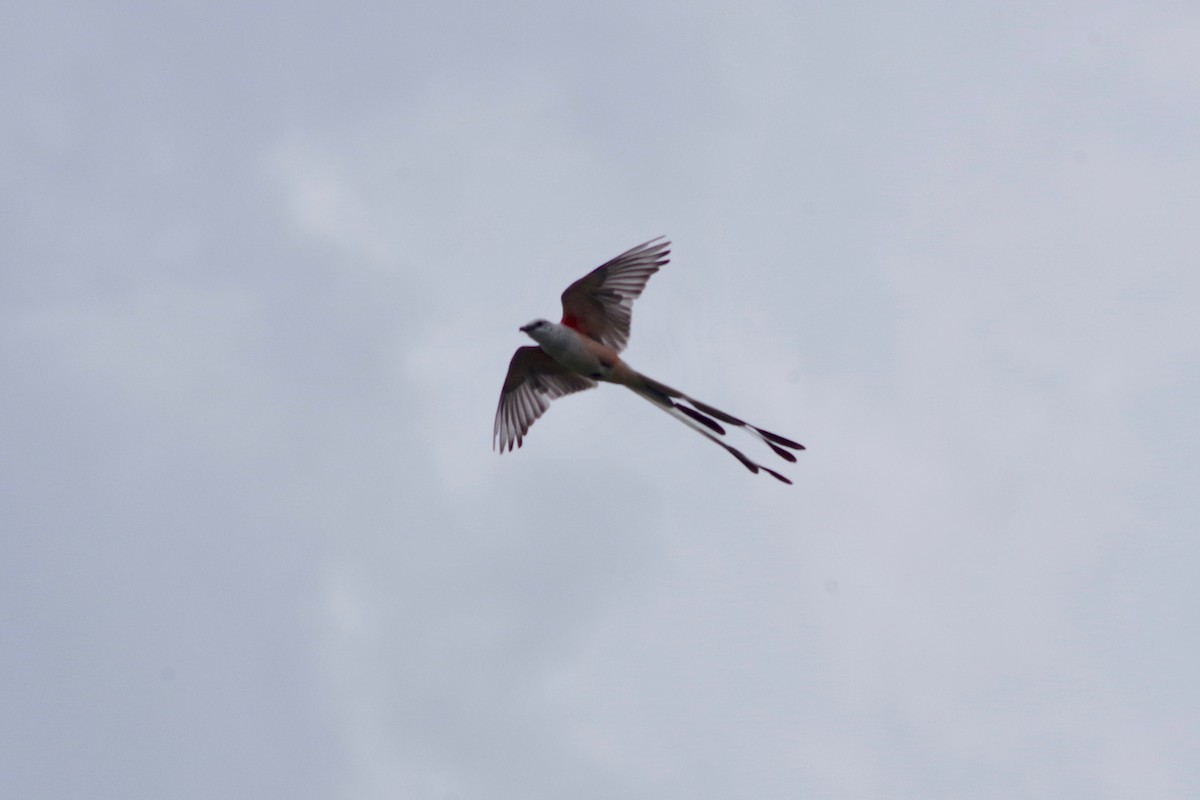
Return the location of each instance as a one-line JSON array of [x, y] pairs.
[[706, 420]]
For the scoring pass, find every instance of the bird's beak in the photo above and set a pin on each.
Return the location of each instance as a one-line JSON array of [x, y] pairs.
[[524, 329]]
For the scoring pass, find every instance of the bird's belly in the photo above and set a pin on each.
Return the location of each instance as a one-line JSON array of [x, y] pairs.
[[580, 360]]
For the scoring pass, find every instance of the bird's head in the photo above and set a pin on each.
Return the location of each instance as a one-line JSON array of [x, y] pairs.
[[538, 329]]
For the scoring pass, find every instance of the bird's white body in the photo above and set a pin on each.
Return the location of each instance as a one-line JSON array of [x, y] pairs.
[[569, 348], [585, 348]]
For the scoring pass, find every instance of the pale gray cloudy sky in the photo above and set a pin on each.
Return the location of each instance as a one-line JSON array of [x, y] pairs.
[[261, 271]]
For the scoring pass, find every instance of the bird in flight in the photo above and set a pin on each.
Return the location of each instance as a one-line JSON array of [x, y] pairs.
[[572, 355]]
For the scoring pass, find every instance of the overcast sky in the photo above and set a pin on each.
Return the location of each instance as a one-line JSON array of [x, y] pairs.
[[261, 271]]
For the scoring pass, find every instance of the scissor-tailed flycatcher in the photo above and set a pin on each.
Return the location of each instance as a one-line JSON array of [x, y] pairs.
[[582, 349]]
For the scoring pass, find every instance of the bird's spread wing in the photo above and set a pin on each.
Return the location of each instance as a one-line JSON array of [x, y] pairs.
[[533, 380], [599, 304]]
